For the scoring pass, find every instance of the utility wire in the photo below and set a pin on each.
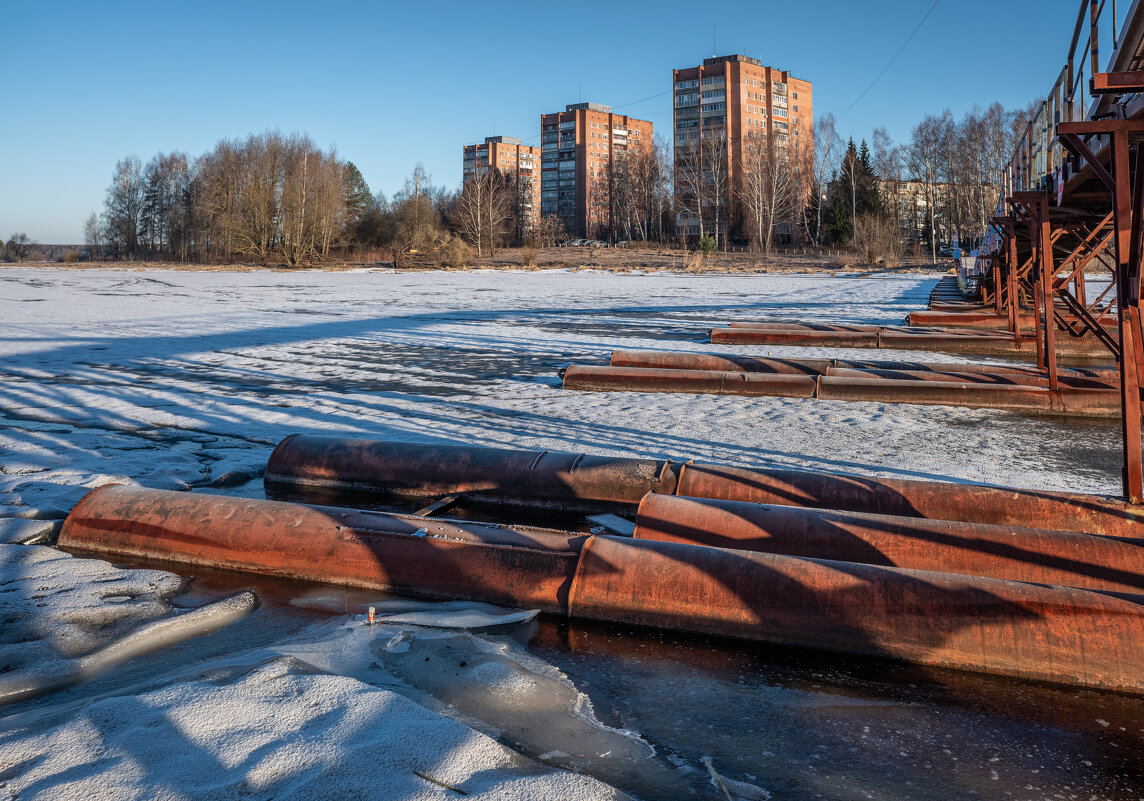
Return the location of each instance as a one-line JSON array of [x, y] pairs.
[[891, 61]]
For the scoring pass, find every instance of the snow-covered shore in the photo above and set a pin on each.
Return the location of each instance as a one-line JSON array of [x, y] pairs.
[[187, 380]]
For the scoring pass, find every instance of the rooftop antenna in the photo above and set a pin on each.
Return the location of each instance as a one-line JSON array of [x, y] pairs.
[[714, 49], [580, 93]]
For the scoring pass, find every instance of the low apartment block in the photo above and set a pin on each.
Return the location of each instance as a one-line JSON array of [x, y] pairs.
[[585, 150], [519, 163]]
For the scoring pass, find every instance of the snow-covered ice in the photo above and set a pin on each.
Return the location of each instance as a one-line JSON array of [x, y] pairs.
[[186, 380]]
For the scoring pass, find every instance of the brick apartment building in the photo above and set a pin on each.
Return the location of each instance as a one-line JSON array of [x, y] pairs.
[[738, 96], [580, 147], [521, 163]]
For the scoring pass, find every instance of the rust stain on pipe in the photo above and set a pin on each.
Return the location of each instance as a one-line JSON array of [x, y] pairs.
[[975, 393], [550, 478], [1047, 633], [933, 500], [1067, 400], [509, 566], [980, 377], [1040, 632], [973, 549], [495, 474], [710, 382], [719, 362], [672, 360]]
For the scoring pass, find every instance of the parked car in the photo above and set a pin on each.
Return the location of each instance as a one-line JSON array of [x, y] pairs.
[[944, 250]]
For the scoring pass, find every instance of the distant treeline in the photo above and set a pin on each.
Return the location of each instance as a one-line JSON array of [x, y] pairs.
[[270, 198], [273, 198]]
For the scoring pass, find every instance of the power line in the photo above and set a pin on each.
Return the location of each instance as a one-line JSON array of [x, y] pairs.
[[646, 99], [891, 61]]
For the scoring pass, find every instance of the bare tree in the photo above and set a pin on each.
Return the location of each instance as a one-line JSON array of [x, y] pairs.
[[689, 185], [124, 206], [717, 179], [925, 157], [766, 189], [827, 147], [93, 235]]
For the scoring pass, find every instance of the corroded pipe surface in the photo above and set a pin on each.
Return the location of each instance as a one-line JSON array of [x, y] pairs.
[[973, 549], [712, 361], [494, 564], [1009, 379], [971, 342], [710, 382], [934, 500], [429, 470], [1067, 400], [672, 360], [762, 336], [542, 478], [1039, 632], [880, 388], [1047, 633]]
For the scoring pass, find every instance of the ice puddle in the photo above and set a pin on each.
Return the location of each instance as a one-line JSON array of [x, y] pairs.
[[421, 650]]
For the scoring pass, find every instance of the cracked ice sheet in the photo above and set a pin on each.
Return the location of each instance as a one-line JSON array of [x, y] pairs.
[[175, 380]]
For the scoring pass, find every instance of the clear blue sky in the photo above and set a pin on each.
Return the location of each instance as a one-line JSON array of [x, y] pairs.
[[391, 84]]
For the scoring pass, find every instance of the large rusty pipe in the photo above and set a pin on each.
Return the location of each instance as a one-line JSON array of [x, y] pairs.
[[484, 562], [1006, 379], [1040, 632], [760, 336], [1063, 401], [535, 477], [673, 360], [988, 343], [933, 500], [980, 319], [579, 481], [881, 388], [974, 549], [794, 326], [1054, 634], [709, 382], [720, 361]]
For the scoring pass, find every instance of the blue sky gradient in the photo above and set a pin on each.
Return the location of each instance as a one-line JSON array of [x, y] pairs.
[[389, 85]]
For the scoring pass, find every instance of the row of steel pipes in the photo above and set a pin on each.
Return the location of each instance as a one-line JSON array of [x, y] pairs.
[[1041, 585]]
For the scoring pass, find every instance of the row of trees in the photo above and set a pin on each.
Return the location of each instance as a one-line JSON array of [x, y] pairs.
[[276, 198], [943, 182], [268, 198], [764, 199]]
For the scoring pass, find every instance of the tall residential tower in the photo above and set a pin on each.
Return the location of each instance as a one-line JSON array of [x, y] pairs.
[[583, 148], [724, 109]]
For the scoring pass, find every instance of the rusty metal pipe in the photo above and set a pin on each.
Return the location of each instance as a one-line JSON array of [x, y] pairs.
[[1054, 634], [579, 481], [671, 360], [1063, 401], [795, 326], [987, 343], [1007, 379], [973, 549], [495, 564], [878, 387], [556, 479], [710, 382], [721, 362], [1040, 632]]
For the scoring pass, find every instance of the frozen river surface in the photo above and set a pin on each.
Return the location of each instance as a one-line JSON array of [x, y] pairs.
[[186, 380]]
